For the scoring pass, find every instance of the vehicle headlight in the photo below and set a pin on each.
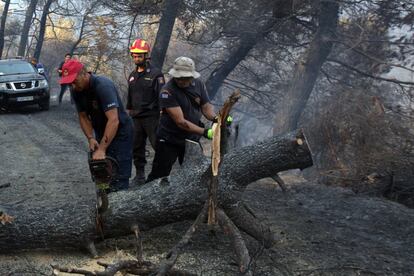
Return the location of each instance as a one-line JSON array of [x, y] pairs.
[[43, 83], [3, 86]]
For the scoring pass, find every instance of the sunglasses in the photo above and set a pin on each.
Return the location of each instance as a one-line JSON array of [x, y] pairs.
[[184, 78]]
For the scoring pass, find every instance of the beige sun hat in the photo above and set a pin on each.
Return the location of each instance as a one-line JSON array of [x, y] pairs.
[[183, 68]]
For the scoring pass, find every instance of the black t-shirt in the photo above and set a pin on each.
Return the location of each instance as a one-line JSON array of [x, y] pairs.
[[100, 97], [143, 92], [190, 100]]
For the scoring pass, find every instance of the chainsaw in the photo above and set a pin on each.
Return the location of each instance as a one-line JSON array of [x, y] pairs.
[[102, 172]]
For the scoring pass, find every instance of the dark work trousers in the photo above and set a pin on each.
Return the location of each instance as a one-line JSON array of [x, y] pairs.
[[121, 150], [63, 88], [144, 128], [165, 156]]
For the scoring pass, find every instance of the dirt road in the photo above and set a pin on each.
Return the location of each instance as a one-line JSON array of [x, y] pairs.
[[41, 148], [322, 230]]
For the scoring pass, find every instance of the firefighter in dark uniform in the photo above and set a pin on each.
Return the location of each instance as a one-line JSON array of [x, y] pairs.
[[103, 119], [144, 85], [183, 100]]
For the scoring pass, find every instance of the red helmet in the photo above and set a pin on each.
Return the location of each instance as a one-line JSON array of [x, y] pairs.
[[140, 46]]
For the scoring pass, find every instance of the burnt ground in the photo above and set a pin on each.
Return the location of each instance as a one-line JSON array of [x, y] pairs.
[[322, 230]]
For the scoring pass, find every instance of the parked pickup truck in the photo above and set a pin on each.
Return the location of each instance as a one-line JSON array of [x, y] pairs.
[[21, 84]]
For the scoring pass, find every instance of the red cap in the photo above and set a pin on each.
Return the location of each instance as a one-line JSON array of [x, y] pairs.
[[70, 70]]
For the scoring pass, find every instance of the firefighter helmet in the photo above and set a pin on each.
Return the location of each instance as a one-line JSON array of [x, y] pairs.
[[139, 46]]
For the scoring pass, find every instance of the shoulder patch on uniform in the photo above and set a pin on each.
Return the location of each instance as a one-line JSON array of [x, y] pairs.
[[131, 78], [165, 94]]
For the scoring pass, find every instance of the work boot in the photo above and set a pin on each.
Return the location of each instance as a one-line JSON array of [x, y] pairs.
[[139, 178], [164, 181], [118, 185]]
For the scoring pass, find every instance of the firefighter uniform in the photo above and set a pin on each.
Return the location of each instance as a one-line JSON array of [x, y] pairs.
[[171, 138], [142, 103], [101, 96]]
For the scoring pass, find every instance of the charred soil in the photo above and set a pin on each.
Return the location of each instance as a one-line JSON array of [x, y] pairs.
[[321, 230]]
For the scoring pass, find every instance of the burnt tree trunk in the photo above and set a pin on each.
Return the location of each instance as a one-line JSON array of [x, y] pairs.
[[169, 13], [307, 70], [84, 23], [80, 36], [281, 10], [247, 42], [72, 223], [42, 29], [3, 25], [26, 28]]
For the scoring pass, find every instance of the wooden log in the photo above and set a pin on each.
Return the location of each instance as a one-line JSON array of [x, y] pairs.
[[6, 185], [280, 182], [238, 242], [138, 243], [212, 200], [72, 223], [68, 224], [247, 222], [125, 265], [213, 183], [129, 266], [217, 153]]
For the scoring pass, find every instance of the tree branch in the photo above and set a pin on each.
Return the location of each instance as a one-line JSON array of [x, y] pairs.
[[238, 242], [6, 185], [352, 68], [172, 256], [246, 221]]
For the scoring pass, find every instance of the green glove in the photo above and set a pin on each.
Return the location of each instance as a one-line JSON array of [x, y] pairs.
[[208, 133], [229, 120]]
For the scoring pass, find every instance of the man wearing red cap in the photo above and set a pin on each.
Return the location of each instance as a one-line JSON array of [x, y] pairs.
[[102, 117]]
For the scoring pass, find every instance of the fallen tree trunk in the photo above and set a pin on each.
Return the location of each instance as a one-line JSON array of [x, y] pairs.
[[72, 223]]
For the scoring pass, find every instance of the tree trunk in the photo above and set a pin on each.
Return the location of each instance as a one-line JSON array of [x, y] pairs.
[[42, 29], [307, 70], [72, 223], [26, 28], [82, 29], [281, 10], [3, 25], [246, 43], [169, 13], [132, 28], [88, 11]]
